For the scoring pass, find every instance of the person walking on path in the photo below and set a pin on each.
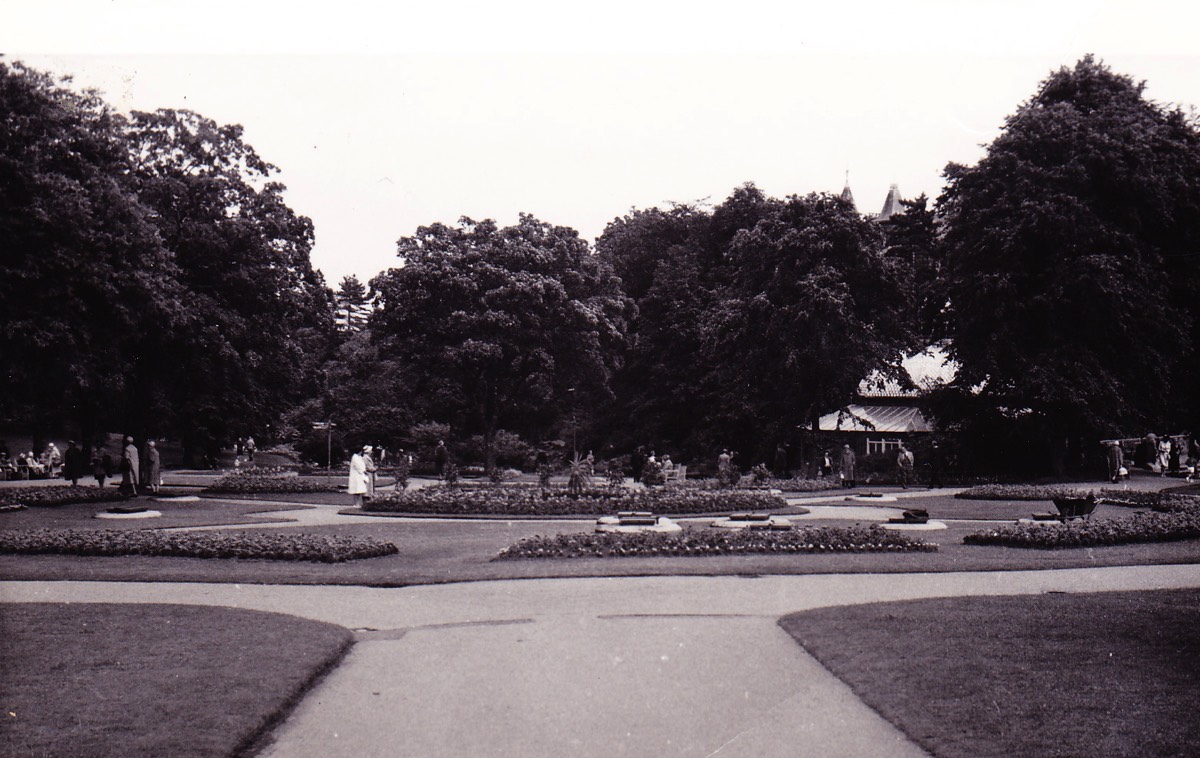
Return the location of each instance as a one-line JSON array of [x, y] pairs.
[[250, 448], [153, 467], [130, 468], [357, 485], [846, 463], [1114, 456], [904, 463], [73, 467]]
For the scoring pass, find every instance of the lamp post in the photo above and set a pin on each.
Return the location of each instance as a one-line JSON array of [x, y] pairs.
[[327, 427], [574, 449]]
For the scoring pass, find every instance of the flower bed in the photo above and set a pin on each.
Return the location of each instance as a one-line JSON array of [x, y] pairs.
[[64, 495], [783, 485], [531, 500], [275, 547], [264, 479], [1164, 502], [1140, 527], [716, 542], [1021, 492]]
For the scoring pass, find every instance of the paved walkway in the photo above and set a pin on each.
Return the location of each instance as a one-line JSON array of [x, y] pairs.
[[652, 666]]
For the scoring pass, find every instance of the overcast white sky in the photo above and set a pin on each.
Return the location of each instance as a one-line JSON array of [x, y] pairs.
[[382, 120]]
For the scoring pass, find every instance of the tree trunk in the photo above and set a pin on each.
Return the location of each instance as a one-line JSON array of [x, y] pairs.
[[814, 454]]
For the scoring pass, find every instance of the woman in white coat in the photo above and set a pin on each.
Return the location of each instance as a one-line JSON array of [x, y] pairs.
[[358, 477]]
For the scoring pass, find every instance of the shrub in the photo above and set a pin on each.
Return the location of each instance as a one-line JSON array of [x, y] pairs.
[[274, 546], [264, 479], [1021, 492], [716, 542], [535, 501], [652, 474], [64, 495]]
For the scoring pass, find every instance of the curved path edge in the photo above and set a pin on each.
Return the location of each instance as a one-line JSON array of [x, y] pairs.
[[642, 666]]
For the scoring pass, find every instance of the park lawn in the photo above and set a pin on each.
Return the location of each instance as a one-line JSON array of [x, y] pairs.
[[202, 512], [152, 680], [1112, 674]]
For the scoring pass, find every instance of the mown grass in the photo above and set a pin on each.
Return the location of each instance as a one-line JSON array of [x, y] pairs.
[[1112, 674], [152, 680]]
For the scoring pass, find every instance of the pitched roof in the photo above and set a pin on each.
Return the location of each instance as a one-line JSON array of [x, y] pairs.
[[885, 419], [891, 204]]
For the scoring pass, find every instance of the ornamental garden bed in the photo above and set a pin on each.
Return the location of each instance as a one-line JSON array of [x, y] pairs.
[[111, 542], [531, 500], [1163, 502], [64, 495], [1140, 527], [264, 479], [1021, 492], [694, 542]]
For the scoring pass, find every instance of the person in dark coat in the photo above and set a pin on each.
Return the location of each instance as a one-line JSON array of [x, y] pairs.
[[637, 463], [1114, 456], [73, 467], [846, 464]]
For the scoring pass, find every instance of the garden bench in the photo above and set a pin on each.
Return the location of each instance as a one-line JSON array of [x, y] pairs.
[[677, 473]]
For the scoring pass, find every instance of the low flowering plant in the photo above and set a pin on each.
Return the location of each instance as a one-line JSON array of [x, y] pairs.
[[694, 542], [64, 495], [536, 501], [264, 479], [113, 542], [1030, 492], [1140, 527]]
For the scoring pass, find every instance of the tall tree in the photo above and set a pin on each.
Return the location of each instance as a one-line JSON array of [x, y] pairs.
[[501, 323], [1059, 245], [352, 305], [812, 307], [85, 284], [257, 318]]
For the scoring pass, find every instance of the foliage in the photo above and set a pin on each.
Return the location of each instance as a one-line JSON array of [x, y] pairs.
[[85, 285], [653, 475], [65, 495], [753, 318], [759, 474], [1061, 247], [1020, 492], [694, 542], [261, 546], [1140, 527], [533, 500], [500, 324], [263, 479]]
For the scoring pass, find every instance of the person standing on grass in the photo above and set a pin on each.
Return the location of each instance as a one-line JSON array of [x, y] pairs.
[[357, 485], [904, 463], [130, 468], [250, 448], [846, 463], [73, 463]]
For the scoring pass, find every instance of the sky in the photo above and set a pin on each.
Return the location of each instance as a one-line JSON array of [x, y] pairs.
[[385, 120]]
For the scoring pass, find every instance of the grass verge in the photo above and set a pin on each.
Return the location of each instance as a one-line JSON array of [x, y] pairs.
[[152, 680], [1113, 674]]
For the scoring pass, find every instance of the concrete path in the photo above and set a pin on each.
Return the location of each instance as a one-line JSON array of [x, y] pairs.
[[651, 666]]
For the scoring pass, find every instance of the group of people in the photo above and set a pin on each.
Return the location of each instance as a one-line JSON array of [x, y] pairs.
[[29, 465], [1169, 454]]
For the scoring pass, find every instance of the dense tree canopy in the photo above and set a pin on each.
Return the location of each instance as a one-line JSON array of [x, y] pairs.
[[1061, 245], [85, 284], [153, 279], [501, 325], [754, 318]]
